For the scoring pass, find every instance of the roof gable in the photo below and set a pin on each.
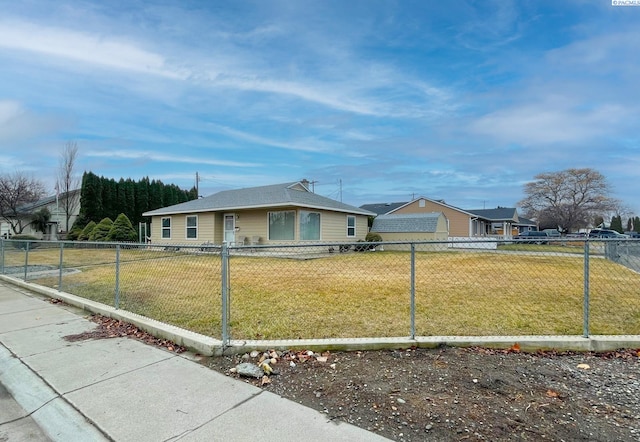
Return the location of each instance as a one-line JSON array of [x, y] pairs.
[[440, 203]]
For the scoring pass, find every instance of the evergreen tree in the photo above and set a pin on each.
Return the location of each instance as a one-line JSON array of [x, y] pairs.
[[636, 224], [142, 199], [122, 230], [106, 198], [616, 223], [90, 197], [101, 230], [86, 232]]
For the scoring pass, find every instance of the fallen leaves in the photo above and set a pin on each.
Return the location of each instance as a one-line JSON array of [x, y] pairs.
[[114, 328]]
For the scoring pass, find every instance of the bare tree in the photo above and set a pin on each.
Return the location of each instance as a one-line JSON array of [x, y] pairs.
[[568, 199], [68, 181], [17, 189]]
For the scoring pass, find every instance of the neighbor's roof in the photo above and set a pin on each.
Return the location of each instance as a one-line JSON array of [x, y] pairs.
[[28, 208], [499, 214], [526, 222], [276, 195], [410, 222], [437, 202], [382, 208]]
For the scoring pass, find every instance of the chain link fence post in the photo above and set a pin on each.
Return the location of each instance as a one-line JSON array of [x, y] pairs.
[[585, 308], [225, 294], [117, 290], [60, 267], [26, 259], [413, 291], [2, 262]]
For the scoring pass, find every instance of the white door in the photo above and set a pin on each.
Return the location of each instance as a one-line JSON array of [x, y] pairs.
[[229, 228]]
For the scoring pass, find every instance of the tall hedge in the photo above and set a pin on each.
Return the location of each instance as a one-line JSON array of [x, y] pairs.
[[102, 197]]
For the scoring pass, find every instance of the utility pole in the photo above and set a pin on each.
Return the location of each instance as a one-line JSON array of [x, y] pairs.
[[197, 186], [340, 189]]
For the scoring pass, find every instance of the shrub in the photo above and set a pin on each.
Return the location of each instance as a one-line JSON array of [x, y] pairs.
[[122, 230], [74, 233], [101, 230], [86, 232], [373, 237], [21, 241]]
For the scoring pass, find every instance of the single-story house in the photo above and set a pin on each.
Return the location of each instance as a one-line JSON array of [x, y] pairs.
[[462, 223], [525, 225], [411, 227], [55, 204], [275, 214], [499, 221]]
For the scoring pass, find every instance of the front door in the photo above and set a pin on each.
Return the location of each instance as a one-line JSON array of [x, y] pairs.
[[229, 228]]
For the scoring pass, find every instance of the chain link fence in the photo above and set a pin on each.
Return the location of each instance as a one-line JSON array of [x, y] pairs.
[[436, 288]]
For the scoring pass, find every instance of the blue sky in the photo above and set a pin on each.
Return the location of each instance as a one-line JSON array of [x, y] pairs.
[[461, 100]]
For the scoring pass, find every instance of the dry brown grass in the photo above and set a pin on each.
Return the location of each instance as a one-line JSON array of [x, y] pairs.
[[368, 294]]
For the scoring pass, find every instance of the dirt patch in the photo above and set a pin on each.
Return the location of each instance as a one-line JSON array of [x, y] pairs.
[[113, 328], [464, 394]]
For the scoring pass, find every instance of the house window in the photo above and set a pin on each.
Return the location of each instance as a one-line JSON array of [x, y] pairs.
[[192, 227], [422, 203], [351, 225], [282, 225], [309, 226], [166, 228]]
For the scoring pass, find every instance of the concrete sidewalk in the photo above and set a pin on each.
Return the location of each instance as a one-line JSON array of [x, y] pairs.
[[124, 390]]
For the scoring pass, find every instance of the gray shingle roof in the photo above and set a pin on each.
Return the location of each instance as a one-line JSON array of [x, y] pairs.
[[276, 195], [382, 208], [410, 222], [499, 214], [28, 208]]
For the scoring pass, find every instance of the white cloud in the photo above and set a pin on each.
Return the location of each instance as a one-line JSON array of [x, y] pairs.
[[543, 123], [166, 158], [84, 47]]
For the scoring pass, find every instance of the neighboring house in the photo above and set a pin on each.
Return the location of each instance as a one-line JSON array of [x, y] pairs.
[[525, 225], [501, 221], [276, 214], [462, 223], [411, 227], [56, 224]]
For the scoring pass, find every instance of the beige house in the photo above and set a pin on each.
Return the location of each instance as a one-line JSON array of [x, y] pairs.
[[276, 214], [461, 223], [411, 227]]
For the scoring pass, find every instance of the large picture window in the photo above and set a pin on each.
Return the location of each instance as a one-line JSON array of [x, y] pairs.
[[192, 227], [166, 228], [309, 226], [282, 225], [351, 225]]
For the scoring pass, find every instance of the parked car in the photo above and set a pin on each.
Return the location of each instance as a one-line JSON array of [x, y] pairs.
[[633, 234], [533, 237], [553, 233], [606, 233]]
